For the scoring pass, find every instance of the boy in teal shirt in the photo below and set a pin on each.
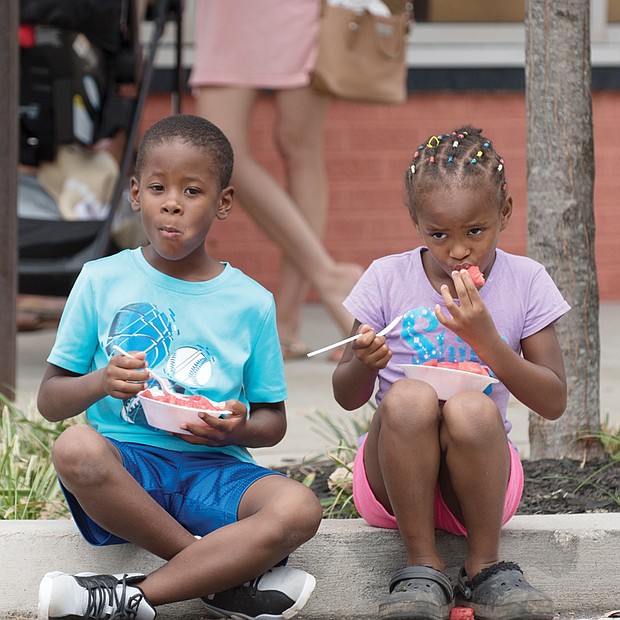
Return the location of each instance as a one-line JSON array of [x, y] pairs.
[[197, 500]]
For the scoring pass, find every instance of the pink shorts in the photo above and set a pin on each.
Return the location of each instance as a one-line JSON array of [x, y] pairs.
[[375, 514]]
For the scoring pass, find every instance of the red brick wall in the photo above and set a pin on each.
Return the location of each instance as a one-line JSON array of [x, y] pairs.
[[368, 148]]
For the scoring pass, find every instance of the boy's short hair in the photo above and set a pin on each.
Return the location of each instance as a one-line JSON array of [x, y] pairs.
[[194, 130]]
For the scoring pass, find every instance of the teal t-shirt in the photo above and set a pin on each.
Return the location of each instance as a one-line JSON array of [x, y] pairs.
[[216, 338]]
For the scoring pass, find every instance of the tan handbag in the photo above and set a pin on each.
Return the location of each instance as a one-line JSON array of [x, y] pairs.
[[362, 56]]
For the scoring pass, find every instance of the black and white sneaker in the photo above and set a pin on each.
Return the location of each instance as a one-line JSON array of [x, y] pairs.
[[89, 596], [278, 594]]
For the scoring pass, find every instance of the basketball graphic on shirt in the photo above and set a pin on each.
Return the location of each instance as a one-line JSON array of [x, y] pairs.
[[133, 412], [142, 327], [190, 366]]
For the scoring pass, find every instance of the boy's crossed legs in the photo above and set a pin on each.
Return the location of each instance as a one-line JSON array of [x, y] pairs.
[[446, 467], [275, 516]]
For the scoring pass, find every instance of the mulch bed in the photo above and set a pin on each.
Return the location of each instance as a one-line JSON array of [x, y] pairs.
[[551, 486], [557, 486]]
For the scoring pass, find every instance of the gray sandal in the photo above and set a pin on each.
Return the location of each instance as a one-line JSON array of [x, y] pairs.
[[500, 592], [418, 593]]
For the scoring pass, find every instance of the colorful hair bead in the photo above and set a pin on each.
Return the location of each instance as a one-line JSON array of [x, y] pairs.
[[455, 155]]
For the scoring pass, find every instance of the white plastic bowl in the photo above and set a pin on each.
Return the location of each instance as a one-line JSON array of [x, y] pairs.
[[447, 381], [169, 417]]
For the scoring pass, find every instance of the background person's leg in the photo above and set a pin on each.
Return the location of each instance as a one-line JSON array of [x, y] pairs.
[[272, 208], [299, 137]]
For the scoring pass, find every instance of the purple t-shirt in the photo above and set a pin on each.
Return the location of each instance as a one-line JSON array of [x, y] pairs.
[[519, 294]]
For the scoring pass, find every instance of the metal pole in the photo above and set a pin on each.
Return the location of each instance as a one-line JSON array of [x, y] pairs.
[[9, 61]]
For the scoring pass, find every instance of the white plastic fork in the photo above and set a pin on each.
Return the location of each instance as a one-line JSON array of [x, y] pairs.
[[388, 328], [163, 382]]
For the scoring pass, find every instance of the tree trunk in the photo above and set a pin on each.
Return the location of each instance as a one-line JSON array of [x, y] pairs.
[[560, 183]]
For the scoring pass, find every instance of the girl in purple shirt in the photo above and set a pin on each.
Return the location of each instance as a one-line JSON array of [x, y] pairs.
[[427, 463]]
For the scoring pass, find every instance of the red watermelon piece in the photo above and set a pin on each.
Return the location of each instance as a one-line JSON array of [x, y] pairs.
[[462, 613], [465, 366], [453, 365], [194, 401], [473, 367], [476, 275]]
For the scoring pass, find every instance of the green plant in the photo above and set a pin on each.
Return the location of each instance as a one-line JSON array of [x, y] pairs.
[[344, 435], [29, 487], [610, 439]]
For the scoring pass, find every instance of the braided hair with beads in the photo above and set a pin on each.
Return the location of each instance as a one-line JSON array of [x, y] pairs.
[[462, 156]]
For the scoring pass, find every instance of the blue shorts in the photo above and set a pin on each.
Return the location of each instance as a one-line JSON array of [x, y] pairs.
[[201, 490]]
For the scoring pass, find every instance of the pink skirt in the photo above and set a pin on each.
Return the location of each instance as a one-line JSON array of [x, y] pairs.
[[255, 43]]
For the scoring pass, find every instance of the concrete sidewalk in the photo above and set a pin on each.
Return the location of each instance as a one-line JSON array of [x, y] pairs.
[[576, 557], [309, 384]]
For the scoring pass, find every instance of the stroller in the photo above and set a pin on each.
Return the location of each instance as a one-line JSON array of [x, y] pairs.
[[77, 60]]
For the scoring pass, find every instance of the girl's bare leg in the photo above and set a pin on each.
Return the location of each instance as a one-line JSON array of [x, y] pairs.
[[476, 472], [272, 208], [402, 457], [276, 515], [299, 136]]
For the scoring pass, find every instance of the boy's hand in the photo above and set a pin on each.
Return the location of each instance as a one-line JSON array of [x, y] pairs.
[[125, 376], [219, 431], [371, 349], [469, 319]]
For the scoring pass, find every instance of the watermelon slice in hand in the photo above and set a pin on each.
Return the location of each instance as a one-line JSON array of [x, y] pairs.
[[476, 275]]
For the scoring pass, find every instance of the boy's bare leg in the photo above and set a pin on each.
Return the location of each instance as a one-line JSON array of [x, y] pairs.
[[476, 474], [91, 468], [402, 457], [276, 516]]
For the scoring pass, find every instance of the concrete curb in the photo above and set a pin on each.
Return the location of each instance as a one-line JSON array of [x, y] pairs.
[[574, 558]]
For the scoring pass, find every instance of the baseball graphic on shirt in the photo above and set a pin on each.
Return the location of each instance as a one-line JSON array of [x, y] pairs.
[[190, 366]]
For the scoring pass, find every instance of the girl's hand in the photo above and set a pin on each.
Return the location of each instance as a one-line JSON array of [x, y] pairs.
[[125, 376], [469, 319], [371, 349], [219, 431]]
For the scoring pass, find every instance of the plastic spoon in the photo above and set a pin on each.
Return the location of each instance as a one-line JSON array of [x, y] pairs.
[[388, 328], [163, 382]]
